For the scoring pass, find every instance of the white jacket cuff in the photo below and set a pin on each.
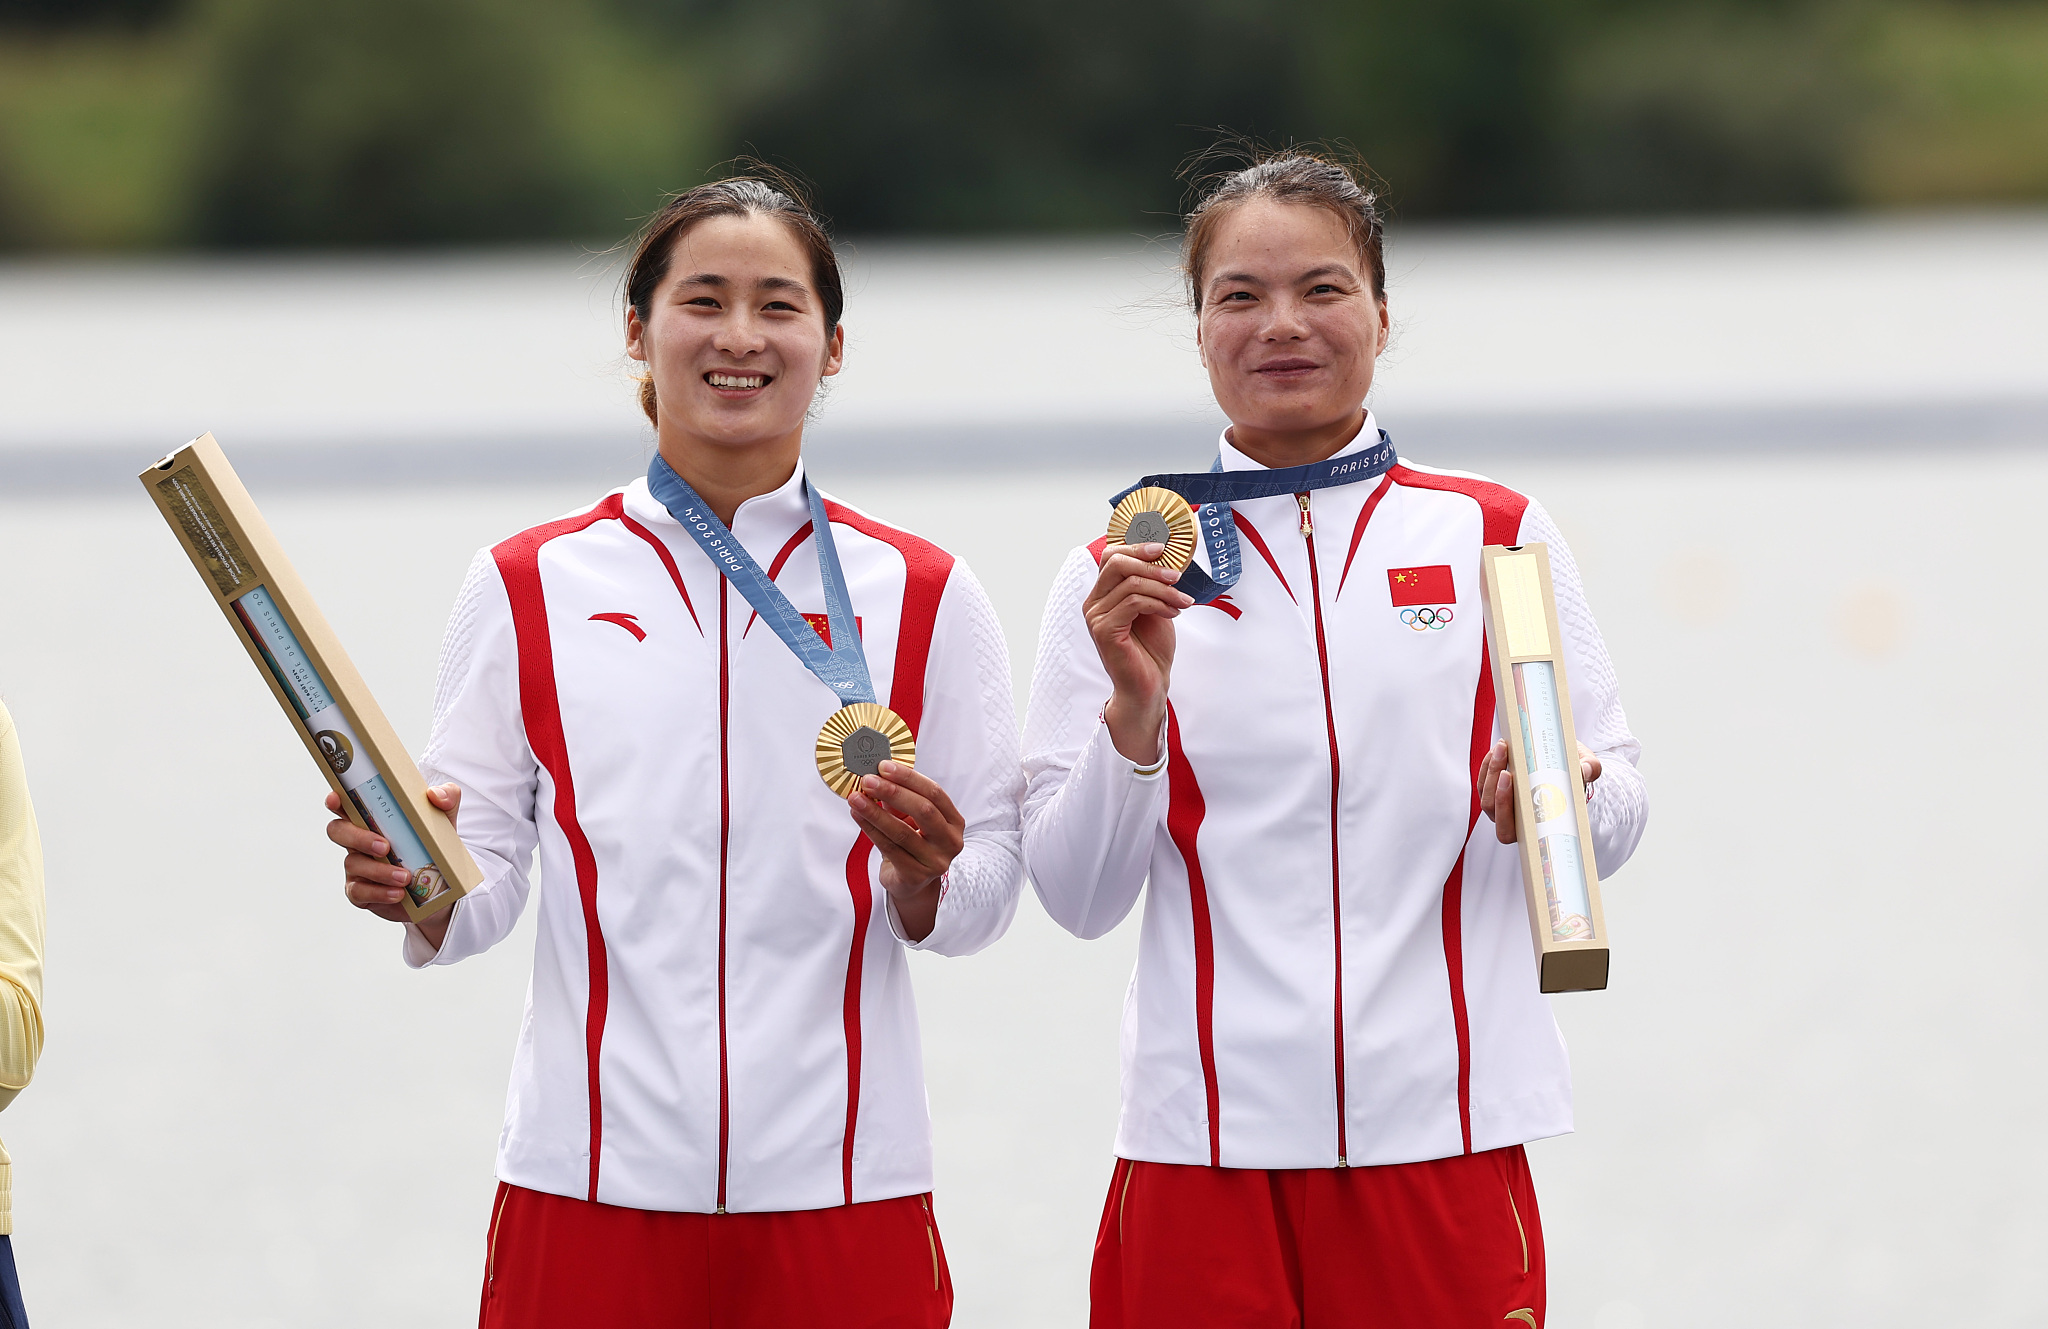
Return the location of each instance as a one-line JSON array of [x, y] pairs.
[[1090, 849], [935, 939], [418, 952], [421, 954]]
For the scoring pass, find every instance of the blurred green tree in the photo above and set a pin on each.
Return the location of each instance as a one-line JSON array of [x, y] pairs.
[[143, 123], [96, 135], [380, 122], [1454, 102], [934, 116], [61, 14], [1713, 105]]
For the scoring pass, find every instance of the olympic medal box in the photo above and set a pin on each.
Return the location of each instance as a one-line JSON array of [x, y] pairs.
[[1534, 707], [299, 656]]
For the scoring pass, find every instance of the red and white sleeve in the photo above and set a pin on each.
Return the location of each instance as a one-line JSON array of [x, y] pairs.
[[967, 742], [479, 743]]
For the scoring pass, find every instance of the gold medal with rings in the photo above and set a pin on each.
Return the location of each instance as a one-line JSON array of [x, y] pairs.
[[857, 740], [1156, 516]]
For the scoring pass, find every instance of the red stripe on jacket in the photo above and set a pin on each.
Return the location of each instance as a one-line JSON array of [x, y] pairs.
[[1501, 512], [1372, 504], [668, 562], [1184, 812], [926, 568], [540, 708], [803, 533], [1500, 506], [1251, 533]]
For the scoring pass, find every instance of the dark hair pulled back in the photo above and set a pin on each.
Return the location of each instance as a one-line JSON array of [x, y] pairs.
[[1335, 179], [761, 191]]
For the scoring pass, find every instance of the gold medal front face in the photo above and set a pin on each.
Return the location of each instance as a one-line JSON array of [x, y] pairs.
[[1154, 514], [857, 739]]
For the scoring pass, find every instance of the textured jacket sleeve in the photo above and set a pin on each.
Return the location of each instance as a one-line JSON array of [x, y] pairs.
[[1620, 804], [1089, 818], [968, 744], [479, 743], [21, 923]]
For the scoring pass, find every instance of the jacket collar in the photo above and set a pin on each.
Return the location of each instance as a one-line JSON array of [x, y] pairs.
[[761, 525], [1233, 460]]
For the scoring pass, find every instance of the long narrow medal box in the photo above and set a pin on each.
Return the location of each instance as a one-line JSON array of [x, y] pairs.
[[1534, 706], [286, 635]]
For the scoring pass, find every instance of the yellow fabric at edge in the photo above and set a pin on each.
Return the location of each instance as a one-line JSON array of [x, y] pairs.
[[21, 942]]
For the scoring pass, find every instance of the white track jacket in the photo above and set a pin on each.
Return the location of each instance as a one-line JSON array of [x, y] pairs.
[[720, 1015], [1335, 966]]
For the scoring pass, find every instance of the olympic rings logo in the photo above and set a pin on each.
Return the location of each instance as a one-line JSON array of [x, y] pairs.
[[1427, 620]]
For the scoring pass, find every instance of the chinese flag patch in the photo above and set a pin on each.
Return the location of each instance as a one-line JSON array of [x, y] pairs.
[[1422, 586], [823, 624]]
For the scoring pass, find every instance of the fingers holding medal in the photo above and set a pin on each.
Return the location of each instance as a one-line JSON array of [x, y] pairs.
[[857, 739], [906, 815], [1130, 588], [910, 819], [1151, 515], [1131, 608]]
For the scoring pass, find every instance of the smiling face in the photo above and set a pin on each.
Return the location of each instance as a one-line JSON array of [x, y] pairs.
[[734, 337], [1289, 330]]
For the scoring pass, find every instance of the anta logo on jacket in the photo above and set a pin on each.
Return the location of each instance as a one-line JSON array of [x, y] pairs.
[[630, 622]]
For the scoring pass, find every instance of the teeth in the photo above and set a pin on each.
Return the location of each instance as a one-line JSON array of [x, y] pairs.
[[738, 380]]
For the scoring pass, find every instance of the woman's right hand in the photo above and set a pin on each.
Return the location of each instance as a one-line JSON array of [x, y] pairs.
[[374, 884], [1130, 615]]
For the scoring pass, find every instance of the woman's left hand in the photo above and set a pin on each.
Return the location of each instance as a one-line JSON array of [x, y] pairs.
[[919, 832], [1497, 787]]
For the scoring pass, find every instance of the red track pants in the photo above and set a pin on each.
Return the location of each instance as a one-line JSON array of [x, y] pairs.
[[1449, 1242], [570, 1264]]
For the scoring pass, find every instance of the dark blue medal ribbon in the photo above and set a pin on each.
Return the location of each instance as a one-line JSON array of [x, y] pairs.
[[1212, 492], [842, 666]]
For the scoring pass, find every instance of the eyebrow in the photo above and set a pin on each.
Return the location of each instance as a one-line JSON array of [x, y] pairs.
[[1246, 278], [766, 283]]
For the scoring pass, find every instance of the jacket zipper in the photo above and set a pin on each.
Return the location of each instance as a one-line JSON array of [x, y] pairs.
[[1308, 536], [724, 841]]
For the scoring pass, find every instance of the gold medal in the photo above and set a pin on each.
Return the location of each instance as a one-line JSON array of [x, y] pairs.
[[857, 740], [1154, 515]]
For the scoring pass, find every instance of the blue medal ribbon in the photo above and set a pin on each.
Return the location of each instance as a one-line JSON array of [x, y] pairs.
[[842, 666], [1212, 492]]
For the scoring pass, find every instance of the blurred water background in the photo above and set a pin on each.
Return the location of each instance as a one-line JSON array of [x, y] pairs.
[[1749, 295]]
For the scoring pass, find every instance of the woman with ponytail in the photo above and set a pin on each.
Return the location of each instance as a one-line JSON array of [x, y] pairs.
[[1334, 1047], [717, 1112]]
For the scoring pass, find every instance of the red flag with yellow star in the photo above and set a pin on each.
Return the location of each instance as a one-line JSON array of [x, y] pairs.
[[1422, 586], [823, 625]]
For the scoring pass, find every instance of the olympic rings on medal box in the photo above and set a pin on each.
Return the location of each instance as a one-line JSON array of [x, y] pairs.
[[1535, 709]]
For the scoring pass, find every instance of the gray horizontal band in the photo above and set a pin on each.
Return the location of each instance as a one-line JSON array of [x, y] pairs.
[[1454, 440]]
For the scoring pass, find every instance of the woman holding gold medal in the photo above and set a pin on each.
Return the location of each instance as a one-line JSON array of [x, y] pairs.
[[764, 743], [1265, 692]]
